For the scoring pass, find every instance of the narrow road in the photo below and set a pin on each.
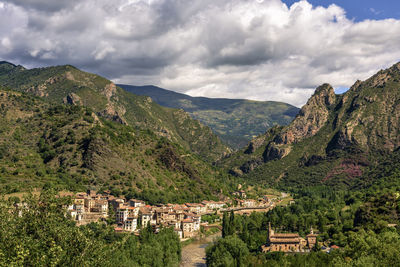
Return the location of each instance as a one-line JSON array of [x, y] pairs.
[[194, 254]]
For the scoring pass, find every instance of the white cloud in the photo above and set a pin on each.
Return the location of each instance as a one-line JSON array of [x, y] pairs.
[[253, 49]]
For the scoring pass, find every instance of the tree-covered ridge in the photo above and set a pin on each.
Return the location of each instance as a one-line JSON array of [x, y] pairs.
[[38, 232], [332, 141], [70, 147], [67, 84], [236, 121]]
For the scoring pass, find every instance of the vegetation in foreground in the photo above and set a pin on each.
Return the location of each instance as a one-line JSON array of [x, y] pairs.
[[38, 233]]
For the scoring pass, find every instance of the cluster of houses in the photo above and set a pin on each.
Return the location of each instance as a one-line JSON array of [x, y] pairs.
[[132, 215], [242, 200]]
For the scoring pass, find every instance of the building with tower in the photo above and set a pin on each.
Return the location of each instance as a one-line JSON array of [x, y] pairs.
[[288, 242]]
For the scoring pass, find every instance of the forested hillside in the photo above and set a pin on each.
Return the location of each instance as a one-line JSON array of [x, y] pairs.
[[67, 84], [70, 147]]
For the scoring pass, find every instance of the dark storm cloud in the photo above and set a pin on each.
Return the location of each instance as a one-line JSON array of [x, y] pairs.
[[228, 48], [44, 5]]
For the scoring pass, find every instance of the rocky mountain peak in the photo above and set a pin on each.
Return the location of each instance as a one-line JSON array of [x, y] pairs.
[[380, 79], [369, 119], [323, 95], [311, 118]]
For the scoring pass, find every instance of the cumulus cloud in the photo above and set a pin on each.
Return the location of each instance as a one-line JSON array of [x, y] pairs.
[[255, 49]]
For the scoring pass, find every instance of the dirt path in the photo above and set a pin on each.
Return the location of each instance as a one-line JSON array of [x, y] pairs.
[[194, 254]]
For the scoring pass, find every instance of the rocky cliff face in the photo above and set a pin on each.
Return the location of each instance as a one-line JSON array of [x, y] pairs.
[[311, 118]]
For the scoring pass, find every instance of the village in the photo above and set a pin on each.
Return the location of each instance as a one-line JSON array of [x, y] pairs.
[[132, 215]]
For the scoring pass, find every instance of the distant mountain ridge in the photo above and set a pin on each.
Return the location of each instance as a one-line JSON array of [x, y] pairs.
[[236, 121]]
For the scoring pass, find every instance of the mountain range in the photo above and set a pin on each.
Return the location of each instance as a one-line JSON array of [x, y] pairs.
[[235, 121], [334, 140]]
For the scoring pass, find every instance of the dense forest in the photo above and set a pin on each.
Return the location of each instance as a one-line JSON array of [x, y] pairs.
[[357, 221]]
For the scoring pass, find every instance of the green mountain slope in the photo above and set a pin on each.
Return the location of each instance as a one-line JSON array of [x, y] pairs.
[[333, 140], [70, 147], [67, 84], [236, 121]]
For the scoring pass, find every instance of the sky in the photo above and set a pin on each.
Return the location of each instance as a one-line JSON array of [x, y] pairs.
[[278, 50]]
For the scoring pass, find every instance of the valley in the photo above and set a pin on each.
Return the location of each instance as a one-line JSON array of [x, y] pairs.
[[72, 131], [235, 121], [168, 133]]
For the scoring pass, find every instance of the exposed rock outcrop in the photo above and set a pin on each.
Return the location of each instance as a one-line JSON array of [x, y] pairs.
[[109, 90], [370, 114], [333, 138], [72, 99], [251, 165], [255, 144], [110, 112], [276, 151], [311, 118]]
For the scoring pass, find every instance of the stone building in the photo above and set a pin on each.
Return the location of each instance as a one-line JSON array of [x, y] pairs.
[[290, 242], [282, 242]]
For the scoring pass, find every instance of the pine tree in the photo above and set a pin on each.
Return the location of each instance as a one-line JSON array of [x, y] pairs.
[[225, 224], [231, 223]]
